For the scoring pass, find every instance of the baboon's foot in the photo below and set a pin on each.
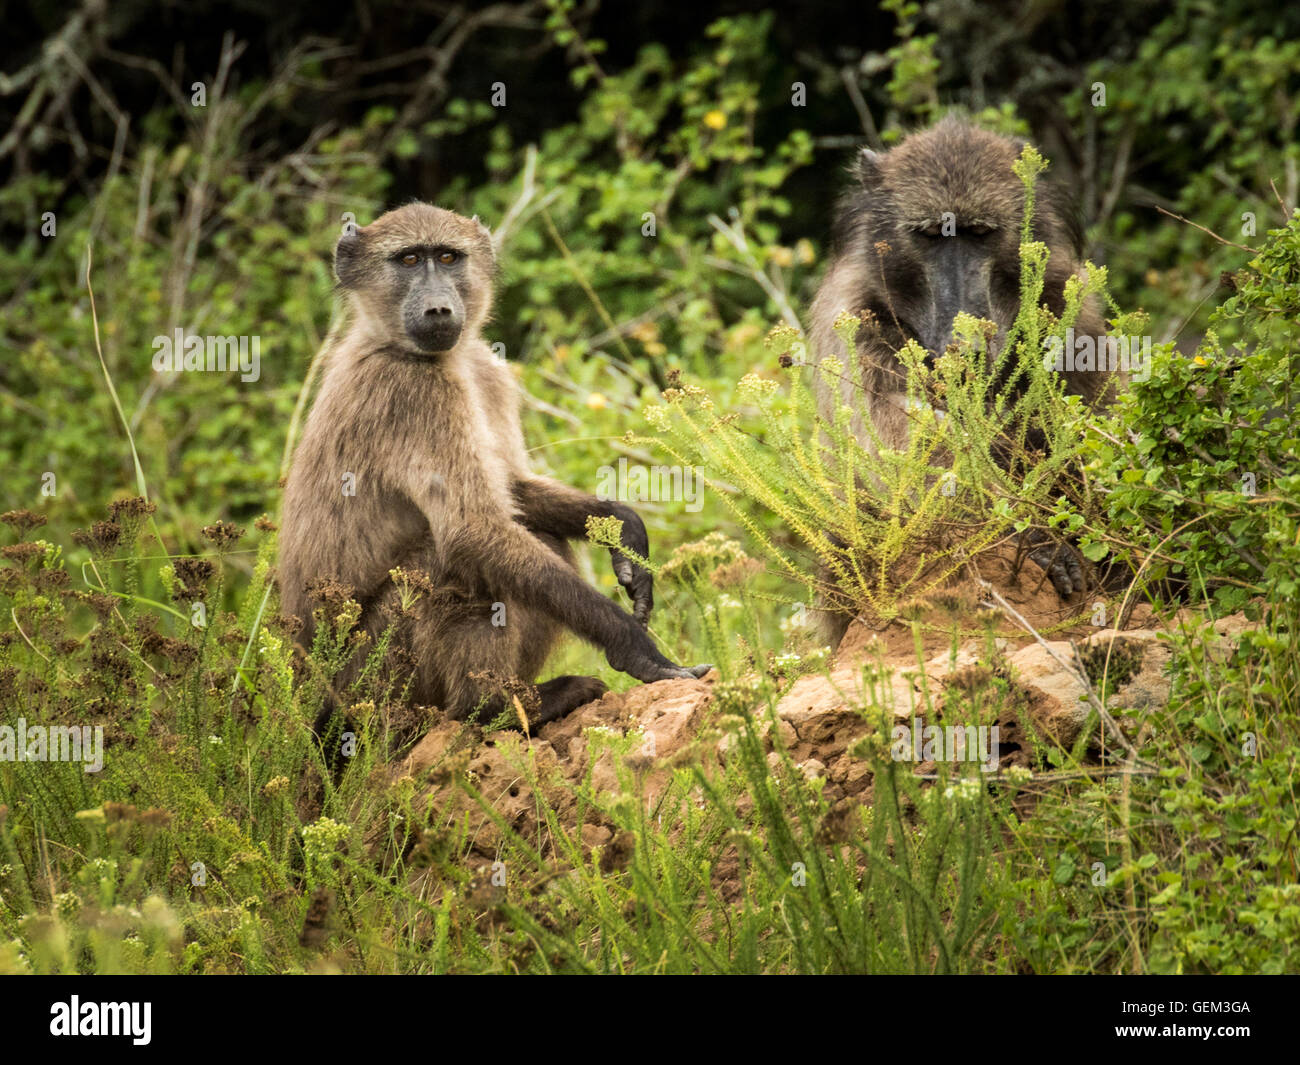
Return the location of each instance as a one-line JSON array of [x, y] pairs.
[[1064, 567], [560, 696]]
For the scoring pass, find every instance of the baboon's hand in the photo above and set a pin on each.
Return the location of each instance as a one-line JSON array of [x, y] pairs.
[[638, 582], [635, 578], [648, 665], [649, 672], [1064, 568]]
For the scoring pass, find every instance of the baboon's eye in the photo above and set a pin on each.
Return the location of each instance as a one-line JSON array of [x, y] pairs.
[[448, 257], [979, 229], [410, 259], [934, 230]]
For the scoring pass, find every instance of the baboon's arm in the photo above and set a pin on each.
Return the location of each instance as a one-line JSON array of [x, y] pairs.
[[547, 506], [517, 566], [477, 534]]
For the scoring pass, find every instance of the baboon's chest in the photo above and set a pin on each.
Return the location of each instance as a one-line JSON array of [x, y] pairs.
[[471, 455]]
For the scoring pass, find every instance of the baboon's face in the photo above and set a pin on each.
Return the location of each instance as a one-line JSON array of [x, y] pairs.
[[948, 263], [420, 274], [949, 206]]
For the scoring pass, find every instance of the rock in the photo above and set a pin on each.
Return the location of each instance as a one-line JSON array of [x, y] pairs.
[[1036, 661], [727, 744], [604, 777], [1057, 704], [1231, 627], [671, 723], [816, 695], [494, 768], [432, 749], [667, 713], [789, 738], [812, 769], [968, 654], [853, 774], [817, 721], [783, 727], [1140, 636]]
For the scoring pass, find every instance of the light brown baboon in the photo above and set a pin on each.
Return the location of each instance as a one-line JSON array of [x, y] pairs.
[[950, 209], [413, 457]]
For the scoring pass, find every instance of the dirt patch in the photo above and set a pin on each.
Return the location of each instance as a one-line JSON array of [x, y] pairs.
[[957, 608], [979, 668]]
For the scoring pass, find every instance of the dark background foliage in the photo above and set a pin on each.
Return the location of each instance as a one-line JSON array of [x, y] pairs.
[[1039, 58]]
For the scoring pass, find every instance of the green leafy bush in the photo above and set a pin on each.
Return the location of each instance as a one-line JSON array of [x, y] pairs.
[[891, 526], [1198, 466]]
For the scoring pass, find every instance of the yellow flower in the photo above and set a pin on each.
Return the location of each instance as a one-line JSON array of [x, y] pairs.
[[645, 332], [561, 352], [1200, 360], [782, 256], [596, 401], [715, 119], [803, 251], [742, 334], [654, 347]]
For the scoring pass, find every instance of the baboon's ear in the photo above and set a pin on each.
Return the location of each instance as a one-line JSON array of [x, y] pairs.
[[485, 238], [348, 257], [867, 168]]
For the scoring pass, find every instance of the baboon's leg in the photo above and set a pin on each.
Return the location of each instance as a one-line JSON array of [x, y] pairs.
[[831, 624], [466, 648], [562, 695], [459, 652], [557, 697], [462, 646], [474, 658]]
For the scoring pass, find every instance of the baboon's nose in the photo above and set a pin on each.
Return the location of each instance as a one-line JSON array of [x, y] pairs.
[[436, 329]]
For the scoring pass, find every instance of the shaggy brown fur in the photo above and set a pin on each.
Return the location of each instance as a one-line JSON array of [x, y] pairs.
[[900, 198], [957, 174], [416, 409]]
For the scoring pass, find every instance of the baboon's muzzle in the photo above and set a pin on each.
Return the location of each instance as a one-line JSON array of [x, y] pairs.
[[433, 333], [958, 276], [434, 316]]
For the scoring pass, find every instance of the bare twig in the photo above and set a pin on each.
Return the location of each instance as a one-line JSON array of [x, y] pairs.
[[43, 72], [849, 76], [1118, 174], [735, 236], [596, 302], [458, 27], [1221, 240], [520, 209], [1286, 211]]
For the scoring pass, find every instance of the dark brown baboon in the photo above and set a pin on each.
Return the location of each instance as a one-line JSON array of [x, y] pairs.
[[413, 457], [949, 207]]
